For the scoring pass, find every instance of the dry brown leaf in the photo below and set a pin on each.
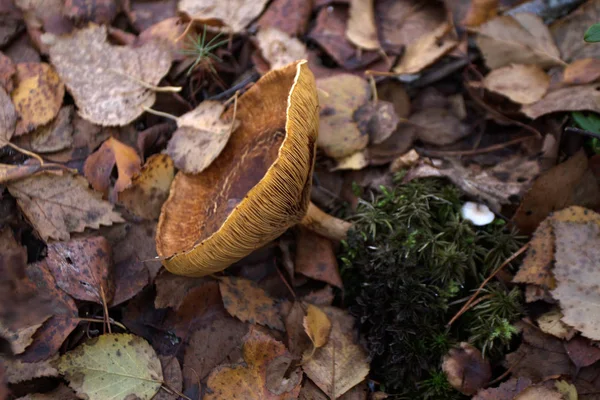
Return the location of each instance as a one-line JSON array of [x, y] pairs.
[[19, 371], [395, 92], [576, 274], [7, 70], [172, 377], [582, 352], [315, 258], [574, 98], [278, 48], [200, 137], [551, 324], [399, 143], [316, 325], [150, 188], [8, 117], [427, 49], [234, 15], [378, 119], [62, 392], [568, 32], [506, 391], [405, 161], [480, 11], [264, 375], [171, 289], [297, 340], [19, 338], [38, 95], [466, 370], [581, 72], [518, 39], [523, 84], [339, 97], [246, 301], [104, 79], [361, 28], [99, 165], [356, 161], [340, 364], [144, 13], [98, 11], [57, 205], [87, 137], [438, 126], [168, 31], [289, 16], [55, 136]]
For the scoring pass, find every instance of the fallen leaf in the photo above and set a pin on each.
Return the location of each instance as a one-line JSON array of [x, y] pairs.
[[573, 98], [316, 325], [279, 48], [113, 366], [569, 32], [465, 369], [234, 15], [539, 392], [506, 391], [479, 11], [330, 33], [582, 352], [168, 31], [218, 342], [22, 50], [397, 144], [361, 29], [438, 126], [150, 188], [340, 364], [551, 324], [395, 92], [172, 376], [37, 96], [99, 165], [57, 205], [298, 340], [83, 268], [8, 117], [19, 338], [568, 183], [340, 96], [11, 22], [517, 39], [55, 136], [321, 297], [145, 13], [427, 49], [171, 289], [310, 391], [264, 375], [7, 70], [62, 392], [567, 390], [97, 11], [356, 161], [379, 120], [246, 301], [315, 258], [19, 371], [405, 161], [289, 16], [200, 137], [523, 84], [577, 249], [581, 72], [105, 80]]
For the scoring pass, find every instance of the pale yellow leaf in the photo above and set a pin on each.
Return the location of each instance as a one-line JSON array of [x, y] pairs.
[[317, 325], [523, 84], [361, 29]]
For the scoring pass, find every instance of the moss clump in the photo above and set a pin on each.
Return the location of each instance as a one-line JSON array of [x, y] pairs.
[[409, 264]]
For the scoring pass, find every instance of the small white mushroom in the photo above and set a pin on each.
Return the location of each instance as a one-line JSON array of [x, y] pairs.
[[478, 214]]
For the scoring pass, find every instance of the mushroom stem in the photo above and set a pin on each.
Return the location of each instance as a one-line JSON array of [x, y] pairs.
[[324, 224]]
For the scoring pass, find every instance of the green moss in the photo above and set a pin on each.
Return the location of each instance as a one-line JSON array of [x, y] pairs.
[[408, 265]]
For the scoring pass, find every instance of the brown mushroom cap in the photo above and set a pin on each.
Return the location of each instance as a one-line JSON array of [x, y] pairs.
[[256, 189]]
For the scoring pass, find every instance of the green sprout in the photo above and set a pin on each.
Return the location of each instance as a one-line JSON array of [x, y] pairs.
[[202, 51]]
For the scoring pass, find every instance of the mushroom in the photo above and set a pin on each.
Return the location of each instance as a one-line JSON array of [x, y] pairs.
[[257, 188], [478, 214]]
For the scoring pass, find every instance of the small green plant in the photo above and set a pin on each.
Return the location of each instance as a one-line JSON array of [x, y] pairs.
[[592, 35], [201, 51], [590, 122], [409, 264]]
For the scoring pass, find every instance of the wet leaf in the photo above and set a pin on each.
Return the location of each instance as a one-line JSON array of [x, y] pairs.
[[523, 84], [8, 117], [104, 79], [506, 391], [317, 325], [581, 72], [289, 16], [263, 376], [574, 98], [340, 96], [361, 30], [246, 301], [315, 258], [83, 268], [234, 15], [55, 136], [278, 48], [465, 369], [37, 96], [520, 39], [115, 366], [200, 137], [57, 205]]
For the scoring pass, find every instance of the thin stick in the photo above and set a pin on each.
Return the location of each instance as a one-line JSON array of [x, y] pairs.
[[286, 283], [147, 85], [166, 386], [507, 372], [582, 132], [186, 30], [374, 89], [467, 305], [105, 307], [160, 113], [112, 321], [26, 152], [452, 153]]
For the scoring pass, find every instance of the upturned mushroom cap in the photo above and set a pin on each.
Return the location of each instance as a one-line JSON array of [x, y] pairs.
[[256, 189]]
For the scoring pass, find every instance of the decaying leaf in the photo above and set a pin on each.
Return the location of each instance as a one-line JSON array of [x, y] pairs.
[[297, 339], [105, 80], [551, 324], [506, 391], [172, 376], [55, 136], [479, 11], [99, 165], [150, 188], [171, 289], [19, 371], [316, 325], [98, 11], [339, 97], [38, 95], [113, 366], [234, 15], [7, 70], [19, 338], [573, 98], [520, 39], [577, 278], [289, 16], [427, 49], [523, 84], [200, 137], [168, 31], [8, 117], [438, 126], [569, 31], [361, 28], [62, 392], [278, 48], [264, 375], [246, 301], [315, 258], [465, 369], [581, 72], [57, 205], [582, 352], [340, 364], [378, 119]]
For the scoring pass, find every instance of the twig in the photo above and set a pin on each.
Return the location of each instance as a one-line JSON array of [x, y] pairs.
[[469, 303], [453, 153], [112, 321], [105, 307], [286, 283], [147, 85], [232, 90], [507, 372], [583, 132], [160, 113]]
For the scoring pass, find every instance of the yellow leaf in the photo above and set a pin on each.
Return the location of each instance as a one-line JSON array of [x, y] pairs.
[[568, 390], [361, 29], [317, 325]]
